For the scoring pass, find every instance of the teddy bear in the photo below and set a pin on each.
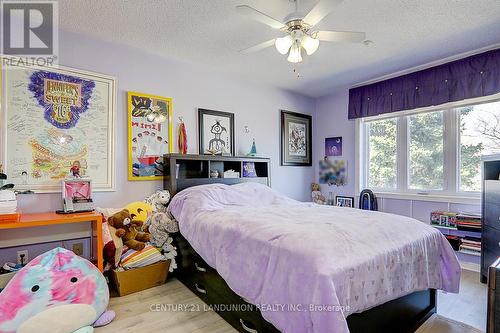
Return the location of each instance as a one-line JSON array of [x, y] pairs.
[[126, 229], [159, 201]]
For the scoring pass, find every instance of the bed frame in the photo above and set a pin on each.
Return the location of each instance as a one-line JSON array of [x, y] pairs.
[[404, 314]]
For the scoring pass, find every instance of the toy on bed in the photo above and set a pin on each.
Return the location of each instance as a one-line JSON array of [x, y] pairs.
[[127, 228], [57, 291]]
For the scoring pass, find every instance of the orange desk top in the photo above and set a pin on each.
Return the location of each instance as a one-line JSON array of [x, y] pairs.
[[43, 219]]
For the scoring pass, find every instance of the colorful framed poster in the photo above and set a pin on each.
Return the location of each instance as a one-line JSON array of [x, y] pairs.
[[52, 118], [216, 132], [333, 146], [149, 135], [296, 139]]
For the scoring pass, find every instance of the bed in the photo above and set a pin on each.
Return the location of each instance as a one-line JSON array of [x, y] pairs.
[[267, 263]]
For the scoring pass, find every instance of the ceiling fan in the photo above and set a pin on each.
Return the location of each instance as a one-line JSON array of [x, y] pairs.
[[300, 32]]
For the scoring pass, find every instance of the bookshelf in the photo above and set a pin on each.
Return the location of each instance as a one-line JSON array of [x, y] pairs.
[[184, 171]]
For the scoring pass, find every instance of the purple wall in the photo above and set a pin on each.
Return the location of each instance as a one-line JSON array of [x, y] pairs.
[[190, 86], [331, 120]]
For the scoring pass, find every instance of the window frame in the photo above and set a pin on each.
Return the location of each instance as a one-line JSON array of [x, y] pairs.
[[451, 192]]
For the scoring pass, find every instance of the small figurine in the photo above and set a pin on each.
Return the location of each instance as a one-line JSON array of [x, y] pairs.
[[317, 197], [253, 150], [75, 169]]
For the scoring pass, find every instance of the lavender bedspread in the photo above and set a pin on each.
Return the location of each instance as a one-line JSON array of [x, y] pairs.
[[309, 266]]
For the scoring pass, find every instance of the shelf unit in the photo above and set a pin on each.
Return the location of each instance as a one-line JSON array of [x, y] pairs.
[[462, 255], [190, 170], [490, 249]]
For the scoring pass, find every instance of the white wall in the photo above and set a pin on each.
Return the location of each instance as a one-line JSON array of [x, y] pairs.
[[331, 120], [191, 87]]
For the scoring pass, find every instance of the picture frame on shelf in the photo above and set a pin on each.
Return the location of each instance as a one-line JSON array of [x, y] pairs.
[[216, 132], [342, 201], [296, 139], [149, 134]]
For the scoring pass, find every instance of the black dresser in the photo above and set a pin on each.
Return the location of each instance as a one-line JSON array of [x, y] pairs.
[[490, 245]]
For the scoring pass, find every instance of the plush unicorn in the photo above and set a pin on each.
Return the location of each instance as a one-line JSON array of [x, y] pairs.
[[57, 291]]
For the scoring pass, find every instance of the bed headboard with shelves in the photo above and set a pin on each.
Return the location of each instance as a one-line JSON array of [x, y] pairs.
[[183, 171]]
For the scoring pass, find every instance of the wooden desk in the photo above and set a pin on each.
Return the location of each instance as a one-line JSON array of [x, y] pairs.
[[47, 219]]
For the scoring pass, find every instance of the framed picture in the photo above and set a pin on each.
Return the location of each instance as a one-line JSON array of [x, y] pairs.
[[333, 146], [216, 132], [53, 118], [344, 201], [149, 135], [296, 139]]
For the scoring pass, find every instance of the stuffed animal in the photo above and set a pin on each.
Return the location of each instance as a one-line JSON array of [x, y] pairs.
[[159, 226], [139, 212], [57, 291], [317, 196], [127, 228], [159, 201]]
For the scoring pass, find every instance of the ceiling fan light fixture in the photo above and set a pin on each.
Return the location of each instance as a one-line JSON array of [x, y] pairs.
[[310, 44], [283, 44], [295, 55]]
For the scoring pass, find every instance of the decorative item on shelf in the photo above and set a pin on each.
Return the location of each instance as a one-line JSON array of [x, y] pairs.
[[444, 219], [216, 130], [342, 201], [77, 195], [231, 174], [149, 135], [333, 146], [317, 196], [182, 138], [68, 115], [249, 170], [253, 150], [331, 200], [296, 139], [333, 172], [214, 174]]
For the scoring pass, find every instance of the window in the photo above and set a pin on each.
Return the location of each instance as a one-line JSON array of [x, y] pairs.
[[382, 154], [426, 145], [434, 152]]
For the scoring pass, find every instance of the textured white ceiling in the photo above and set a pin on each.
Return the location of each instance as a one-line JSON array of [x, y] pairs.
[[406, 33]]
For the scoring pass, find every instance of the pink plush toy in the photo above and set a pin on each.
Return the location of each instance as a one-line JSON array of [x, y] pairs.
[[57, 291]]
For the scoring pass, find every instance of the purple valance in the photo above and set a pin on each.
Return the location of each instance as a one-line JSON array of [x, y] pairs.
[[474, 76]]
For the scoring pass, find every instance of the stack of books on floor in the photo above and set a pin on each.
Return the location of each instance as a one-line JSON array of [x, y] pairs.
[[468, 222], [471, 245]]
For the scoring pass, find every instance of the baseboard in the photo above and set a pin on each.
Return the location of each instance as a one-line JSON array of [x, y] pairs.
[[469, 266]]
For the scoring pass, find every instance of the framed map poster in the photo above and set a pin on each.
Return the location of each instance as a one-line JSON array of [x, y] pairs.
[[149, 135], [53, 119]]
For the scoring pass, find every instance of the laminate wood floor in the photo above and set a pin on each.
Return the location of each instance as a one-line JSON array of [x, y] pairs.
[[160, 310]]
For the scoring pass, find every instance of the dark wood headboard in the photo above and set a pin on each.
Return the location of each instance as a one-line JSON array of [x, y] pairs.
[[183, 171]]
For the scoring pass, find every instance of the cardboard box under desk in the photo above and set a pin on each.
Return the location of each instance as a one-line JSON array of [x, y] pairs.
[[141, 278]]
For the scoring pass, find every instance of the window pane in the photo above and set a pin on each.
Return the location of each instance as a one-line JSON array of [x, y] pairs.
[[479, 135], [382, 154], [426, 144]]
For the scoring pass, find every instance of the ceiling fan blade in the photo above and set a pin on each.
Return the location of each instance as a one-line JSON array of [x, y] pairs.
[[341, 36], [320, 10], [254, 14], [258, 47]]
